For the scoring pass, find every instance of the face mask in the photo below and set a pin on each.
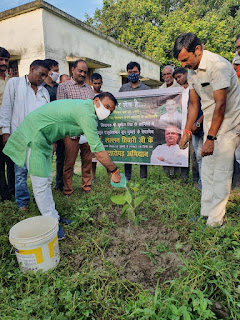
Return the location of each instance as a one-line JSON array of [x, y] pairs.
[[102, 112], [133, 77], [54, 76]]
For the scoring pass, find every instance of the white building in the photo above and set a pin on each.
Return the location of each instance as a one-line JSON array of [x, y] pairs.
[[38, 30]]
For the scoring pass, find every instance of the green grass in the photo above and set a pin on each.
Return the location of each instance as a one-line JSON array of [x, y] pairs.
[[79, 289]]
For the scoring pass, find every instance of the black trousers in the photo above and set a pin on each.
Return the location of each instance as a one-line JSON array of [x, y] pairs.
[[7, 183], [60, 153], [128, 171]]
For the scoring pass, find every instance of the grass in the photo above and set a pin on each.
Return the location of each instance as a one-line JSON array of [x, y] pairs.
[[80, 289]]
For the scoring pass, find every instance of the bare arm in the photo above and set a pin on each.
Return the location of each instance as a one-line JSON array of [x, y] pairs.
[[106, 161], [191, 117], [220, 97]]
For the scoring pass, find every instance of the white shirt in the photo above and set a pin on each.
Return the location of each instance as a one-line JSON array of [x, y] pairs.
[[175, 120], [19, 100], [215, 73], [164, 85], [172, 155]]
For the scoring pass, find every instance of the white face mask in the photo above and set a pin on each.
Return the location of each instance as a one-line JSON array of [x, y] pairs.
[[54, 76], [102, 112]]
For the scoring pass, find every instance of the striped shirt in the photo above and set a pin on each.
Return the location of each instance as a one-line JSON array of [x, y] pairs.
[[72, 90]]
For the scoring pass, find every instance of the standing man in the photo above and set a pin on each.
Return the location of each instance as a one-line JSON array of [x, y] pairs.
[[7, 188], [64, 77], [215, 82], [22, 96], [134, 84], [76, 88], [196, 143], [167, 75], [96, 83]]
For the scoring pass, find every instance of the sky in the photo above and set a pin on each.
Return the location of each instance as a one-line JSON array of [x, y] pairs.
[[76, 8]]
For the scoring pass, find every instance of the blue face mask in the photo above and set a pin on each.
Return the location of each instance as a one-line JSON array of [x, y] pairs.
[[133, 77]]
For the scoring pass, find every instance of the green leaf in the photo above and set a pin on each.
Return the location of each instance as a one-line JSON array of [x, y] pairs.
[[128, 197], [139, 200], [124, 211], [119, 199], [237, 254]]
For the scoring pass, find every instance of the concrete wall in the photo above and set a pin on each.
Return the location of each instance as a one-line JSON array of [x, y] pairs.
[[22, 36], [63, 38], [40, 34]]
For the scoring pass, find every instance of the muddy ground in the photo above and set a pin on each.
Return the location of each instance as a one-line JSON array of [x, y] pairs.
[[141, 254]]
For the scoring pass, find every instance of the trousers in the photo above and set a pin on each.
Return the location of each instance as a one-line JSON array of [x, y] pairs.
[[216, 174], [7, 182], [72, 147]]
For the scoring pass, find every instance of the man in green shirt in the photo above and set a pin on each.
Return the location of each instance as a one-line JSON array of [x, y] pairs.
[[31, 142]]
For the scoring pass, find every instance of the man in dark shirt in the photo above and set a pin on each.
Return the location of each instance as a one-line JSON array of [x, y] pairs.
[[134, 84]]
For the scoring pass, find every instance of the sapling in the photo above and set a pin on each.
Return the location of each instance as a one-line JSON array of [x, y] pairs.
[[129, 203]]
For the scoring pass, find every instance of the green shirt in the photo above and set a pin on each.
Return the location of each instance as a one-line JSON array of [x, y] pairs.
[[48, 124]]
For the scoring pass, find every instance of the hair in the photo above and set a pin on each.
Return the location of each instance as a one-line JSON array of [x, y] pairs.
[[237, 37], [4, 53], [76, 62], [51, 63], [64, 74], [133, 64], [179, 70], [96, 76], [189, 41], [106, 94], [169, 66], [39, 63]]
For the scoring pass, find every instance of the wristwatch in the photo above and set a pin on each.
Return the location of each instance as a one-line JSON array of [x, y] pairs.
[[114, 170], [209, 137], [198, 125]]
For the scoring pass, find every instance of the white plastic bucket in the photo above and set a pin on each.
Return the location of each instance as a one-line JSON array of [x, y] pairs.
[[35, 241]]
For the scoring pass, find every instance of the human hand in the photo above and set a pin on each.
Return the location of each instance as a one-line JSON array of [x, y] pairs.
[[207, 148], [5, 138], [116, 177], [160, 158], [195, 129], [183, 143]]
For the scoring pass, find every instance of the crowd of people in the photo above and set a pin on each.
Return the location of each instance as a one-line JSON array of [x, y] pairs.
[[38, 115]]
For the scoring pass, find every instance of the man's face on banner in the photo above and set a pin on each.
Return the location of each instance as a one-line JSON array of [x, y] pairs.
[[171, 106], [171, 135]]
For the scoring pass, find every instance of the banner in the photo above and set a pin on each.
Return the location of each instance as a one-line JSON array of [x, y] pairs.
[[146, 127]]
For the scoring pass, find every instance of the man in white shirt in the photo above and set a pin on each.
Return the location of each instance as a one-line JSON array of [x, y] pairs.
[[215, 82], [169, 81], [169, 154], [21, 96]]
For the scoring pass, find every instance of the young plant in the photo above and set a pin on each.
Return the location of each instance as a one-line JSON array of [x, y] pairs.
[[130, 204]]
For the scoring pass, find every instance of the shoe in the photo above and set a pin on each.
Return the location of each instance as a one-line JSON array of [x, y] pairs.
[[67, 195], [197, 218], [65, 221], [61, 234]]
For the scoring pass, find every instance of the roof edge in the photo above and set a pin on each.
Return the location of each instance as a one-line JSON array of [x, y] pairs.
[[40, 4]]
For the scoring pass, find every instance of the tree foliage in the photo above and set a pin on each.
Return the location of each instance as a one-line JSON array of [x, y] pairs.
[[151, 26]]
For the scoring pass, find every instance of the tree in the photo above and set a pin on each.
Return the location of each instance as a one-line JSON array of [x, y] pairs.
[[151, 26]]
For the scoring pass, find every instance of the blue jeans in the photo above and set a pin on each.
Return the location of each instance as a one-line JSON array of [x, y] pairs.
[[197, 142], [21, 190]]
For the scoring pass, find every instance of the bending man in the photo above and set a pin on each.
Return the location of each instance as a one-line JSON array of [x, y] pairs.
[[31, 142]]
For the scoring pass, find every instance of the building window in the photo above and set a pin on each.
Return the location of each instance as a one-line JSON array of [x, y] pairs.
[[13, 68]]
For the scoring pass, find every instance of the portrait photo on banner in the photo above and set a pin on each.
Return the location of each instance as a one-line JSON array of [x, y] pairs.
[[146, 127]]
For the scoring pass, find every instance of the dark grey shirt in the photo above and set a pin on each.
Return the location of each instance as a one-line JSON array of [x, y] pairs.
[[51, 90], [128, 87]]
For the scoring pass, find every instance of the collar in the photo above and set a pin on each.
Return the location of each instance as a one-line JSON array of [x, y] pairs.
[[44, 84], [29, 83], [137, 85], [203, 62], [75, 83]]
